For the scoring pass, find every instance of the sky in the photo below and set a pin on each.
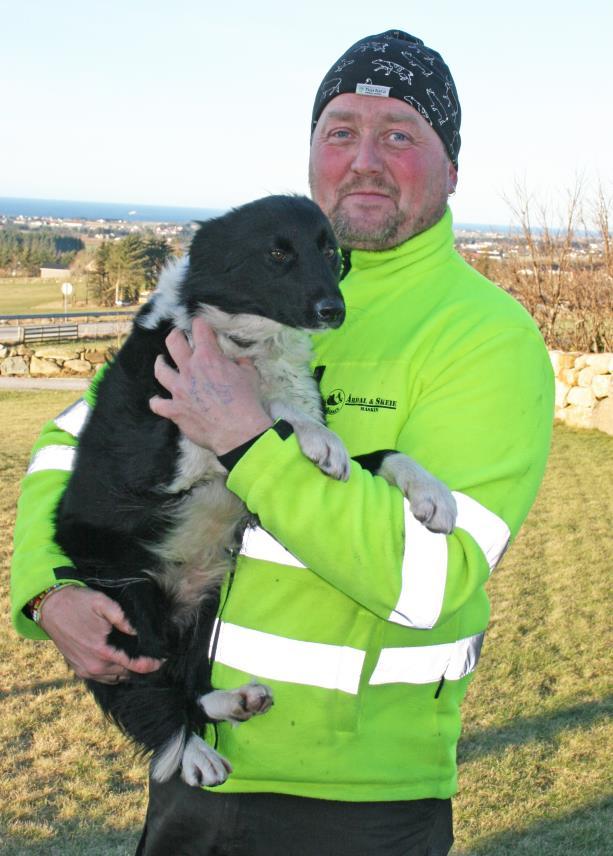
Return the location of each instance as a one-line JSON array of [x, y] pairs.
[[208, 104]]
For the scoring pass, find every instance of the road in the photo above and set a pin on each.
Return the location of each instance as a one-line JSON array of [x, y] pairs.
[[17, 383]]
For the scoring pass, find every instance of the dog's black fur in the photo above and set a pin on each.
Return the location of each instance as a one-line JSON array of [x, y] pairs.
[[276, 259]]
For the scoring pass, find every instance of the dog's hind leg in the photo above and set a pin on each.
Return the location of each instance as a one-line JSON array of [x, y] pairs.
[[202, 765]]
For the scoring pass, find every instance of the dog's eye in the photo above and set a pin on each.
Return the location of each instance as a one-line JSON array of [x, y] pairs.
[[278, 255], [330, 253]]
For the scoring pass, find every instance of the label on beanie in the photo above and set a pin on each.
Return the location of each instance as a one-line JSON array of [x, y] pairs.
[[371, 89]]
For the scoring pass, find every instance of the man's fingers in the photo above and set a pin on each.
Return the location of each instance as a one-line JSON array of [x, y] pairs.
[[111, 611], [164, 374], [246, 363], [161, 406], [204, 337], [178, 347], [142, 665]]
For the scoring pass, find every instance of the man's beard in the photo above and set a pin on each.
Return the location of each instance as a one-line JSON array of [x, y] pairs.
[[379, 237], [393, 229], [350, 232]]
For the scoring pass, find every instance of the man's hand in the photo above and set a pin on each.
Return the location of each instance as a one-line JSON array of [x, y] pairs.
[[78, 620], [215, 401]]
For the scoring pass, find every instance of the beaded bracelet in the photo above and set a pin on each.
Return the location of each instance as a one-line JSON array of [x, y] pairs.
[[34, 606]]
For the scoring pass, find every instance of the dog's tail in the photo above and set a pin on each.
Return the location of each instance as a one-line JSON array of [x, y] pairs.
[[167, 760]]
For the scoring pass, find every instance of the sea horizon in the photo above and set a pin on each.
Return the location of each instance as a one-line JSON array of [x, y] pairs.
[[66, 209], [81, 209]]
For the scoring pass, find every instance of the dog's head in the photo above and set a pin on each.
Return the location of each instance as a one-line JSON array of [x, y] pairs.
[[275, 258]]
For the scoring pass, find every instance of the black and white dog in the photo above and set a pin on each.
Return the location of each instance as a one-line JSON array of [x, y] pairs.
[[146, 517]]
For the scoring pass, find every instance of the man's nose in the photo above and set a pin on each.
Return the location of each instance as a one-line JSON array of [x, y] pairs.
[[368, 159]]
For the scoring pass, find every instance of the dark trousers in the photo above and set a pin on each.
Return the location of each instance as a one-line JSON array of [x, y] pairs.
[[186, 821]]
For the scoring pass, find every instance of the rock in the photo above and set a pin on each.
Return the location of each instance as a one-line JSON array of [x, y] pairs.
[[4, 352], [58, 354], [602, 385], [599, 363], [561, 393], [561, 360], [95, 357], [585, 376], [44, 368], [14, 366], [578, 417], [581, 361], [581, 396], [569, 376], [80, 367], [603, 415]]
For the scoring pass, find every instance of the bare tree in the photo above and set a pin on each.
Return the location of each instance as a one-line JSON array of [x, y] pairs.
[[563, 273]]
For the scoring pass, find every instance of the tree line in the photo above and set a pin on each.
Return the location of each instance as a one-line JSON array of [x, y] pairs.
[[26, 252], [122, 269]]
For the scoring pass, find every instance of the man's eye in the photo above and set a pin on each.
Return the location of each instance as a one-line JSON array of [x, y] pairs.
[[399, 137], [278, 255], [340, 134]]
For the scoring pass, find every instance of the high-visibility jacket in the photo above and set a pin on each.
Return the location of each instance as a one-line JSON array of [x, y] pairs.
[[368, 627]]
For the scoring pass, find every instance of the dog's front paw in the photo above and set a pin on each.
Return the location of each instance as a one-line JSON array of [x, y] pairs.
[[434, 506], [325, 449], [202, 765], [238, 705], [431, 501]]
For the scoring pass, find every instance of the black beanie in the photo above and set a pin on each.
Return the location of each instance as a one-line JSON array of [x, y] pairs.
[[397, 65]]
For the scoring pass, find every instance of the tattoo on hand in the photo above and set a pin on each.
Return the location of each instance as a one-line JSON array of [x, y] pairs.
[[221, 392]]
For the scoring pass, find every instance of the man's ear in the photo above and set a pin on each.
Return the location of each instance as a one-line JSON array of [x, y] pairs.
[[452, 179]]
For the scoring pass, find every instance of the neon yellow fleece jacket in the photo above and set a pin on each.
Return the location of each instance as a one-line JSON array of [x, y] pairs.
[[368, 627]]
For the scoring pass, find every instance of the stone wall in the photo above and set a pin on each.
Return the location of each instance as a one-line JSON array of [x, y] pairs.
[[62, 360], [584, 382], [584, 389]]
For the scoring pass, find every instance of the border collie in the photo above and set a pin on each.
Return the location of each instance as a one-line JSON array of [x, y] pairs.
[[146, 517]]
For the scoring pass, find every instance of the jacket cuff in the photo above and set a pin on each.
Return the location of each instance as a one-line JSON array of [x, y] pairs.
[[231, 458]]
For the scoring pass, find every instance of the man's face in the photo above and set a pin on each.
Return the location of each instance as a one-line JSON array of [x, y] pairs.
[[378, 170]]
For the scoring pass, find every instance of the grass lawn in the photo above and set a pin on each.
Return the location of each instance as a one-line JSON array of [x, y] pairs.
[[20, 295], [533, 760]]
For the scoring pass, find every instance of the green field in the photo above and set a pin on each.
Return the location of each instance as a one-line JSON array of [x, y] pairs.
[[534, 761], [20, 295]]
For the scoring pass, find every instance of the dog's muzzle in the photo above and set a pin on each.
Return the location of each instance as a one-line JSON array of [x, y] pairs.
[[330, 312]]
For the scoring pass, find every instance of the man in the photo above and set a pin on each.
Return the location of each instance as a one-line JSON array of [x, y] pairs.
[[367, 627]]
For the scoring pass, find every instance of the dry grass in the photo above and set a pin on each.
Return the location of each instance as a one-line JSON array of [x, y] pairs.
[[68, 785], [534, 764]]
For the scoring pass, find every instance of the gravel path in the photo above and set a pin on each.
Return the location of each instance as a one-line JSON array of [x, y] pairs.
[[15, 383]]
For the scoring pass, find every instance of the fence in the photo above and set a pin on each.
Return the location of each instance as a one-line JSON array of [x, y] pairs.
[[69, 326], [50, 333]]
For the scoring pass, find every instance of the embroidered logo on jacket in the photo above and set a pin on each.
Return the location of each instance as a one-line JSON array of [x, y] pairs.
[[335, 401], [338, 399]]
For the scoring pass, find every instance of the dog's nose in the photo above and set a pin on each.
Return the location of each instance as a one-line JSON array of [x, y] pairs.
[[330, 311]]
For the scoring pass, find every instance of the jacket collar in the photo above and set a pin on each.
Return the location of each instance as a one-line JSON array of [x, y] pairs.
[[430, 247]]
